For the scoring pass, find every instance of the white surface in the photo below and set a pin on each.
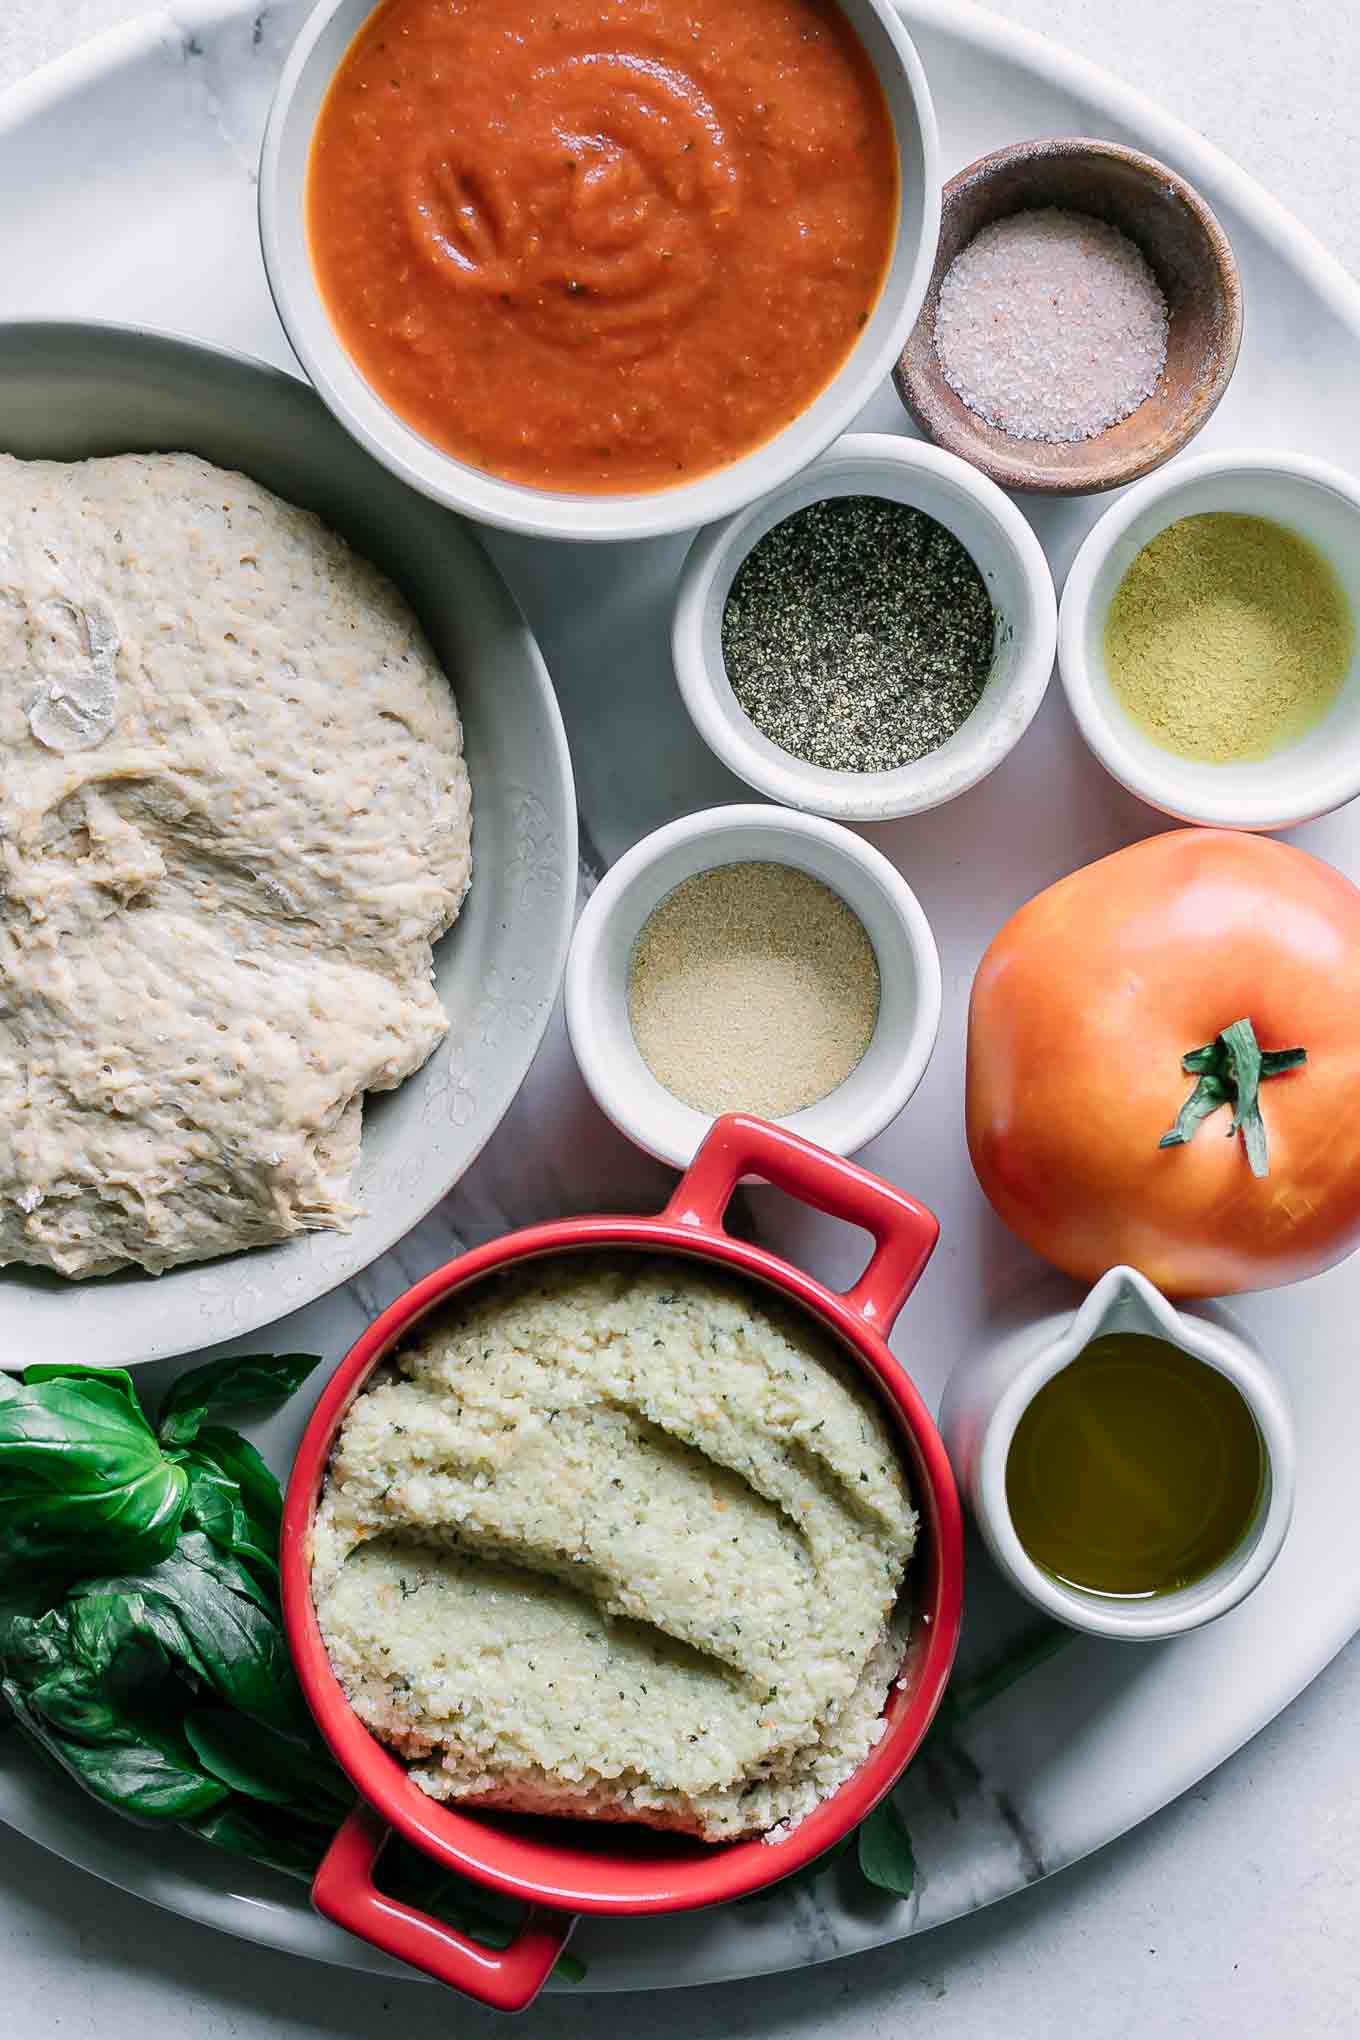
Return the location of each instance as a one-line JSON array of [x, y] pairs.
[[908, 1022], [1321, 769], [1005, 551], [1230, 1877], [283, 169]]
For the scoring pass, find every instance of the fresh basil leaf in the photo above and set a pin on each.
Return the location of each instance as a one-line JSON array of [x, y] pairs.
[[35, 1647], [31, 1646], [81, 1475], [241, 1382], [256, 1762], [24, 1598], [104, 1685], [100, 1668], [136, 1778], [886, 1858], [220, 1573], [236, 1458], [107, 1615], [215, 1507], [280, 1842], [145, 1665], [73, 1370], [100, 1623], [203, 1606], [140, 1778], [73, 1703], [93, 1674], [215, 1735], [141, 1642]]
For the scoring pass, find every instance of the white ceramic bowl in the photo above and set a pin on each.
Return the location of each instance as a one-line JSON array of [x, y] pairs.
[[1311, 777], [1032, 1340], [597, 975], [1011, 562], [544, 513]]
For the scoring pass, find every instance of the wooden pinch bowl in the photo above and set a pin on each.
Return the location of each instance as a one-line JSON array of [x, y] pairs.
[[1189, 255]]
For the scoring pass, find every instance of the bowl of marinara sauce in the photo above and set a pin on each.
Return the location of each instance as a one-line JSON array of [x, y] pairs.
[[599, 269]]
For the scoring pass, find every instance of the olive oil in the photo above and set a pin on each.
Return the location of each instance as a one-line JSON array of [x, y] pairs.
[[1134, 1471]]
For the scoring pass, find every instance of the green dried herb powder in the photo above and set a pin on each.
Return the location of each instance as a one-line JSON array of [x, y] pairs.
[[1228, 638], [858, 634]]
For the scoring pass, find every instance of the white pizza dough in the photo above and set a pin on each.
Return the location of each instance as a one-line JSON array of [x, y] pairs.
[[234, 816]]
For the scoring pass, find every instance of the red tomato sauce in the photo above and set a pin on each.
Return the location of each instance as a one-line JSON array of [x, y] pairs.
[[602, 245]]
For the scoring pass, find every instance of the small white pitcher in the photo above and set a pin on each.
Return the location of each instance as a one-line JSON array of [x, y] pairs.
[[988, 1394]]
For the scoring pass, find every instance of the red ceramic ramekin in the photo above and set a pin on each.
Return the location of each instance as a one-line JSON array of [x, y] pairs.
[[547, 1863]]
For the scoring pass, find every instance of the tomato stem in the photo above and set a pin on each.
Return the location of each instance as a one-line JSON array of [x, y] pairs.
[[1230, 1071]]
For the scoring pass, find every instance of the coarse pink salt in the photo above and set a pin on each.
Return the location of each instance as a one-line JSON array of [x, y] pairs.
[[1051, 325]]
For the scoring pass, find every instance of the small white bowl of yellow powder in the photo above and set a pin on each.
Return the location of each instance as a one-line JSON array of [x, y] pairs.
[[1207, 640], [749, 959]]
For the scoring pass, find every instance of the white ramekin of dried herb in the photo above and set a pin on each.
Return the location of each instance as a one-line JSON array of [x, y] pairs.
[[1208, 641], [747, 959], [873, 638]]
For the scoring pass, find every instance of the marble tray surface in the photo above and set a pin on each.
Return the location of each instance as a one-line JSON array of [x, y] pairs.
[[163, 232]]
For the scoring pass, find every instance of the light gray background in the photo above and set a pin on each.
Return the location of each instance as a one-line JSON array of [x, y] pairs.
[[1237, 1911]]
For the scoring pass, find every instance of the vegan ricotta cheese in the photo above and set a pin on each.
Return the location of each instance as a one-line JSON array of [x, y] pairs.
[[234, 816], [623, 1538]]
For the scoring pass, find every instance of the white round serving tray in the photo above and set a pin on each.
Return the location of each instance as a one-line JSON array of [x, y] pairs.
[[135, 161]]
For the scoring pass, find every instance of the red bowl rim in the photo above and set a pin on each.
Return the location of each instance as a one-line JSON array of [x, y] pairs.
[[534, 1867]]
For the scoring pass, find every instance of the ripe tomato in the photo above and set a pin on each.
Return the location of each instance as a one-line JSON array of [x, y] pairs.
[[1082, 1010]]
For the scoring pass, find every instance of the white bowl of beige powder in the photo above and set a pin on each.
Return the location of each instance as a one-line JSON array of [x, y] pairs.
[[751, 959]]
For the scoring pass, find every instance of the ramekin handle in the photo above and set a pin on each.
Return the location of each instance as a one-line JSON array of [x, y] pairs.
[[904, 1231], [506, 1978]]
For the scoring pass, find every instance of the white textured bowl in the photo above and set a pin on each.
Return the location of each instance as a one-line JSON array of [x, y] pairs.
[[70, 390], [1011, 562], [545, 513], [597, 975], [1032, 1339], [1311, 777]]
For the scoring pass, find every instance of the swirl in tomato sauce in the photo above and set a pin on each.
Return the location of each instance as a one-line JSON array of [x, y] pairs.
[[602, 245]]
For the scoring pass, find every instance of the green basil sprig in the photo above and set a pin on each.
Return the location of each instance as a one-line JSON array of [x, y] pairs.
[[81, 1472], [141, 1640], [242, 1382], [84, 1475]]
